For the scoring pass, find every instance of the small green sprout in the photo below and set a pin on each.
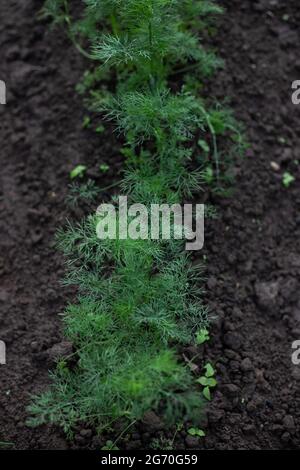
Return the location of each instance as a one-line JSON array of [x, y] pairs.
[[78, 172], [196, 432], [208, 175], [128, 153], [287, 179], [206, 393], [104, 167], [110, 445], [210, 371], [202, 336], [62, 367], [207, 381], [100, 129], [86, 123], [204, 145]]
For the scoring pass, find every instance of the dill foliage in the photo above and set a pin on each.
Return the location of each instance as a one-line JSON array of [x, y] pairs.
[[137, 299]]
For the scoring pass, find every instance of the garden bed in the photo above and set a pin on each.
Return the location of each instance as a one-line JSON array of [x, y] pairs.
[[254, 242]]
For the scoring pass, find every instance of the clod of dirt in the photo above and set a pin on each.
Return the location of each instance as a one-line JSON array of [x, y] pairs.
[[249, 429], [3, 295], [286, 155], [152, 422], [215, 416], [233, 340], [133, 445], [285, 437], [231, 390], [266, 295], [192, 442], [246, 365], [21, 75], [289, 423]]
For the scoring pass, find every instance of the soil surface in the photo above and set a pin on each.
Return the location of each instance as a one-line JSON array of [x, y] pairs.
[[253, 248]]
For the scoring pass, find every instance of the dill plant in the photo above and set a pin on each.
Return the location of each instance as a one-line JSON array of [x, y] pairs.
[[137, 299]]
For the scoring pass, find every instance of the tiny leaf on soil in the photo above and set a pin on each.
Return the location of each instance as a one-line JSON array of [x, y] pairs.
[[196, 432], [86, 122], [78, 172], [208, 174], [206, 393], [204, 145], [207, 382], [210, 371], [104, 167], [202, 336], [287, 179]]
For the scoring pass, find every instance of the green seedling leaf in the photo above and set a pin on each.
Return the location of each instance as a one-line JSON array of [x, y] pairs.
[[86, 123], [100, 129], [204, 145], [202, 336], [196, 432], [207, 382], [210, 371], [206, 393], [78, 172], [104, 168], [287, 179], [218, 122], [208, 174], [109, 446]]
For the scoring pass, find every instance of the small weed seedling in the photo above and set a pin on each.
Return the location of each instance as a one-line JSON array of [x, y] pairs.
[[86, 123], [208, 175], [204, 145], [207, 381], [100, 129], [78, 172], [202, 336], [104, 168], [196, 432], [110, 445], [287, 179]]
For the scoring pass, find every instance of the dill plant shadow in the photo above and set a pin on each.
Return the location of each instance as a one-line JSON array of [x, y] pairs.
[[138, 299]]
